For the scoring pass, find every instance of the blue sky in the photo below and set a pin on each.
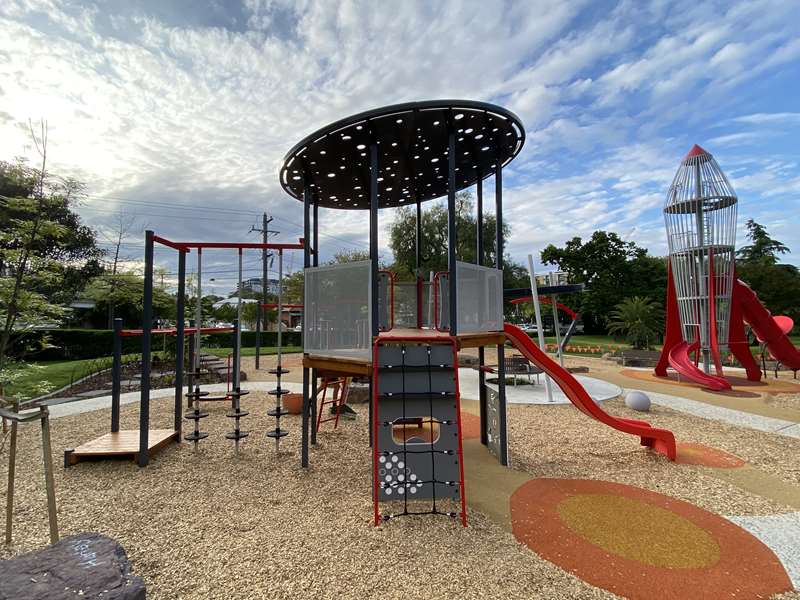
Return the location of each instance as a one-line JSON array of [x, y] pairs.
[[180, 112]]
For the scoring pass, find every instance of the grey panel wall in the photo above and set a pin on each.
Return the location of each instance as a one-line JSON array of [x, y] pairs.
[[417, 441]]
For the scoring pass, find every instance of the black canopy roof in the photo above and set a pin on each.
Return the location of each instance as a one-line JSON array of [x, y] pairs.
[[412, 153]]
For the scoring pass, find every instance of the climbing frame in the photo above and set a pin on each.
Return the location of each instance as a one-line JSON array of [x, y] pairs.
[[417, 428]]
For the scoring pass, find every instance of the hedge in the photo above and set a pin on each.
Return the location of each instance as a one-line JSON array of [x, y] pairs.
[[76, 344]]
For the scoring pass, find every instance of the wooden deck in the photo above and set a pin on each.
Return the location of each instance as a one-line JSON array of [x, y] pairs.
[[122, 444], [330, 366]]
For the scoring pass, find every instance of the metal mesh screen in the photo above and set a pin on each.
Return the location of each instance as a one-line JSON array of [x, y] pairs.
[[405, 304], [700, 215], [337, 310], [385, 295], [479, 298]]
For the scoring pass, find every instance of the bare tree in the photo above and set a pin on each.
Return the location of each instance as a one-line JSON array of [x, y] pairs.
[[124, 223]]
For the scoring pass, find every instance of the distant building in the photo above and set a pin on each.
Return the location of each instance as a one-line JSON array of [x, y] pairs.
[[232, 302], [254, 285], [553, 278]]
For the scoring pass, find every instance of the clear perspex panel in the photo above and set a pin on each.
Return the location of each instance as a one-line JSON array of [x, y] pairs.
[[337, 310], [479, 298]]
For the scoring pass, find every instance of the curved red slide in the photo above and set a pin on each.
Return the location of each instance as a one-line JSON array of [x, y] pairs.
[[765, 326], [680, 360], [660, 440]]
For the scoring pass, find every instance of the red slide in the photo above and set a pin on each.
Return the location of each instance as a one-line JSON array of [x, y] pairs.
[[659, 440], [680, 360], [765, 326]]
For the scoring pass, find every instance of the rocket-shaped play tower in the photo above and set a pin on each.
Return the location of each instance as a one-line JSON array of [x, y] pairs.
[[700, 215], [707, 307]]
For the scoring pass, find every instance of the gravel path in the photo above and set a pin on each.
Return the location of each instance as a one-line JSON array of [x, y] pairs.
[[207, 525]]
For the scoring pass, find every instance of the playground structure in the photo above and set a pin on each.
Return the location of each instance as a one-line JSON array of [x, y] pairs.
[[549, 295], [404, 155], [707, 306], [142, 443]]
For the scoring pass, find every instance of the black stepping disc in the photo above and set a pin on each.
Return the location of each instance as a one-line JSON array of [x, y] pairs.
[[194, 437], [280, 371], [277, 433], [196, 394], [237, 435], [233, 414], [194, 416], [234, 394], [279, 392]]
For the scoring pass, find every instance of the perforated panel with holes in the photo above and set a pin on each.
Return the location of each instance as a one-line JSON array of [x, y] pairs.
[[412, 144], [417, 416]]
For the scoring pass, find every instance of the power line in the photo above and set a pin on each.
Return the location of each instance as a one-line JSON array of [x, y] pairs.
[[193, 207], [181, 217]]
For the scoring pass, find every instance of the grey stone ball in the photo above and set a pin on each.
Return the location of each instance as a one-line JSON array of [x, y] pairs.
[[637, 401]]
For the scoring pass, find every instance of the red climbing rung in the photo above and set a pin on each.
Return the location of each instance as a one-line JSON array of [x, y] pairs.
[[339, 389]]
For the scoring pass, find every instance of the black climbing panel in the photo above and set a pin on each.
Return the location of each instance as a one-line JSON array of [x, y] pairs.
[[417, 429]]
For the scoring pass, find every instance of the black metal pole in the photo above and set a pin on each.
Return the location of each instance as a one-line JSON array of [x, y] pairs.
[[501, 367], [306, 264], [313, 374], [190, 378], [451, 224], [180, 340], [264, 286], [481, 351], [116, 375], [235, 362], [418, 262], [479, 227], [498, 204], [373, 235], [147, 324], [373, 256], [258, 334]]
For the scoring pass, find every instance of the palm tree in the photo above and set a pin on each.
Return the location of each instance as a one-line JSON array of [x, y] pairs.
[[638, 319]]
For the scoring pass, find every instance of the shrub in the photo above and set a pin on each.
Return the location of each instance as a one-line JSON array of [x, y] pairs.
[[76, 344]]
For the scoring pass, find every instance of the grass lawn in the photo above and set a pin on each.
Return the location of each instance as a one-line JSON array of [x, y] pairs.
[[223, 352], [60, 373]]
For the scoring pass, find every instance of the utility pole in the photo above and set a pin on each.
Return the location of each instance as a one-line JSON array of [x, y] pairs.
[[265, 256]]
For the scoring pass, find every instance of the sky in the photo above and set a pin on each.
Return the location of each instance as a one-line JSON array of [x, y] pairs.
[[179, 113]]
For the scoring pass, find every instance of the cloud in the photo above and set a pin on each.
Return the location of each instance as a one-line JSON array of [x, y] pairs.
[[195, 112], [789, 118]]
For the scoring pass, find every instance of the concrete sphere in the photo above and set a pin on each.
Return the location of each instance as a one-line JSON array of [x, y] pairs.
[[637, 401]]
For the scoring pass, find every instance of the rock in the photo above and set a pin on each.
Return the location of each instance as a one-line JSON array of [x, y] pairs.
[[637, 401], [87, 565]]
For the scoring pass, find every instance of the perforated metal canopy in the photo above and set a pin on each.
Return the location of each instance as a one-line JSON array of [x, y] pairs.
[[412, 143]]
